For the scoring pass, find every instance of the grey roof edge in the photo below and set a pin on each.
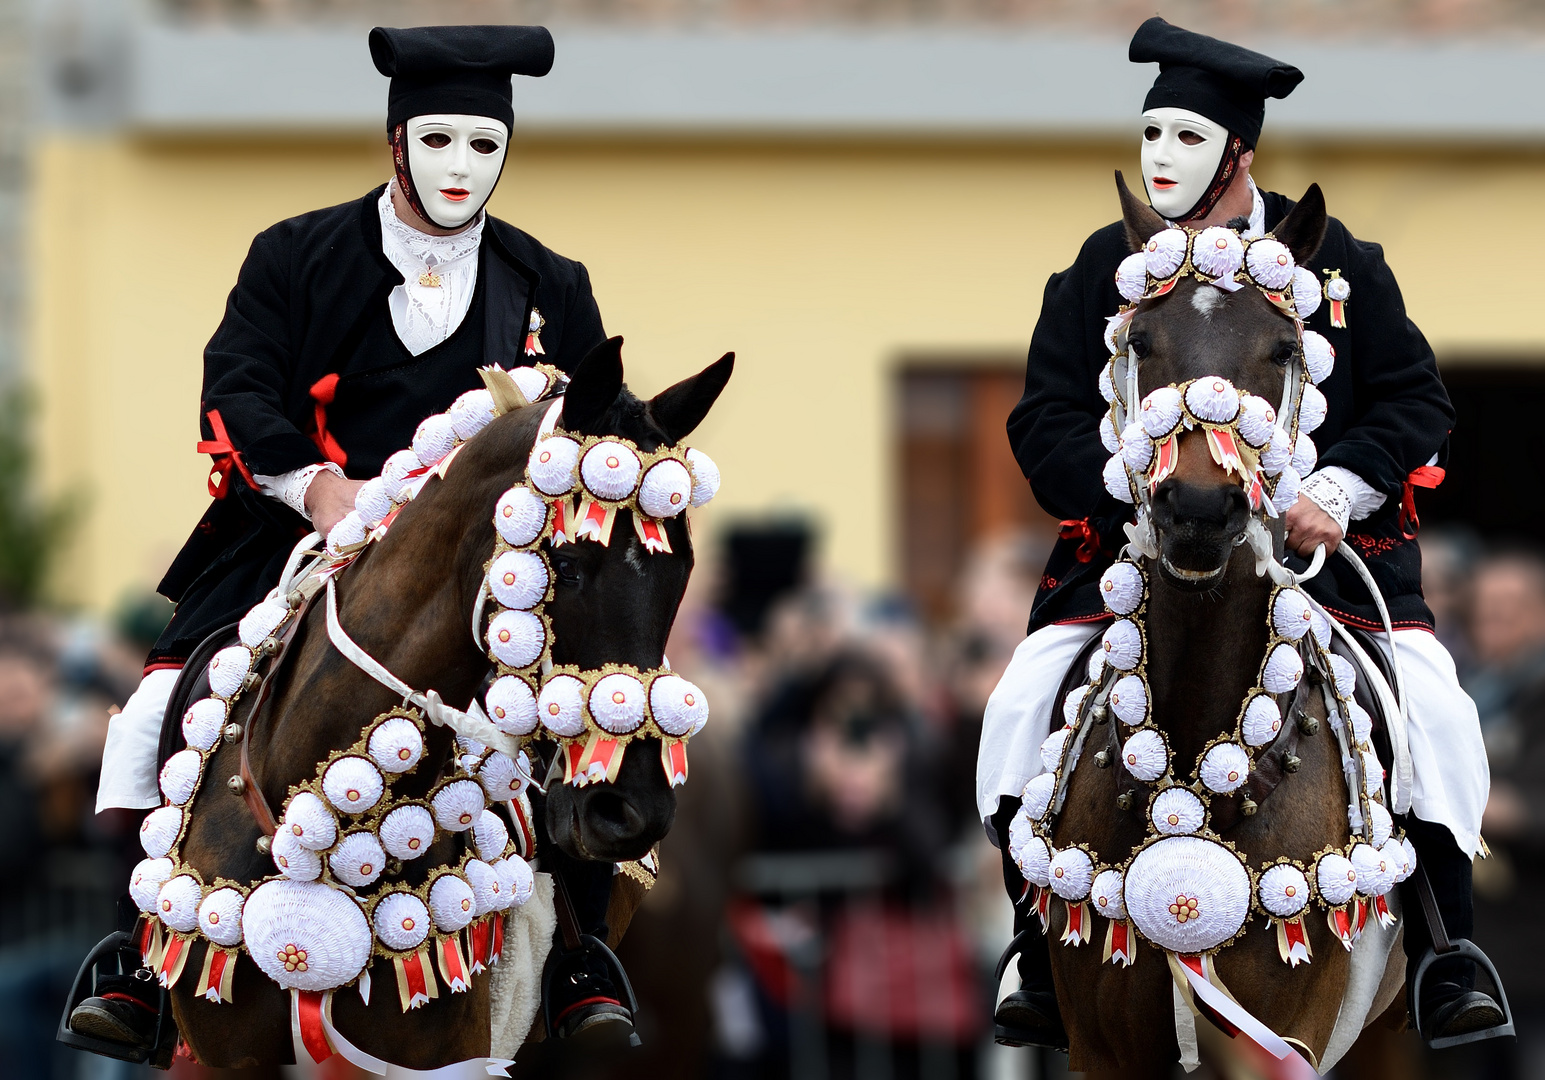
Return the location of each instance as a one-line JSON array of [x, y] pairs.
[[193, 80]]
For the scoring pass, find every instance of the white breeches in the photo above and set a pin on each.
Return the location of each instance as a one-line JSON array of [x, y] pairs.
[[1451, 777], [133, 737]]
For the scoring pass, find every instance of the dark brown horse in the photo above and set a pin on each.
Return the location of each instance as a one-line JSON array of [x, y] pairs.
[[408, 601], [1206, 633]]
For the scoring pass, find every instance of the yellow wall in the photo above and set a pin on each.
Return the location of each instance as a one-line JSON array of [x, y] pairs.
[[822, 264]]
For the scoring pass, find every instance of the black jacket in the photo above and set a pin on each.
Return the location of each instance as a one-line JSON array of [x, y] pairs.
[[303, 300], [1388, 415]]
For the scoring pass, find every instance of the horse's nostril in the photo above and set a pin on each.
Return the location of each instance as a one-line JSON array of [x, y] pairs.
[[611, 809]]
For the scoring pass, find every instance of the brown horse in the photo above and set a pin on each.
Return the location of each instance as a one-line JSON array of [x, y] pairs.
[[408, 600], [1206, 633]]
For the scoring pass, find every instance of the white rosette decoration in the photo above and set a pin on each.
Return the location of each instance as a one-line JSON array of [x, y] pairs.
[[1096, 666], [407, 831], [1338, 288], [358, 860], [1312, 409], [518, 880], [518, 579], [457, 805], [1070, 874], [1213, 399], [705, 476], [666, 489], [401, 921], [219, 917], [1290, 614], [451, 903], [394, 474], [395, 745], [179, 776], [227, 668], [500, 778], [1132, 277], [1257, 420], [308, 819], [1073, 703], [1306, 292], [1373, 774], [1286, 492], [1136, 447], [1305, 455], [1362, 723], [1380, 825], [372, 503], [1034, 860], [294, 861], [1278, 454], [203, 722], [1186, 894], [178, 901], [1161, 411], [532, 383], [617, 703], [610, 470], [1052, 747], [517, 638], [434, 438], [1409, 865], [1400, 857], [1225, 768], [258, 625], [1217, 252], [305, 935], [353, 784], [1114, 476], [1037, 795], [1129, 700], [552, 465], [1123, 645], [471, 413], [1165, 252], [679, 707], [1270, 263], [1145, 756], [1343, 674], [1121, 587], [1108, 437], [1107, 895], [1336, 878], [1176, 811], [349, 533], [1262, 721], [1283, 670], [146, 880], [520, 516], [1284, 891], [1319, 355], [158, 832], [512, 705], [1375, 873], [1107, 386], [491, 835], [561, 706], [486, 889]]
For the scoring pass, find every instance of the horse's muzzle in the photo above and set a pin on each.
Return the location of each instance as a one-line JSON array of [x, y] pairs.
[[1198, 528], [615, 822]]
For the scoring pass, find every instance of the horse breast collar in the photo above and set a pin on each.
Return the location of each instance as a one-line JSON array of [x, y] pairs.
[[1184, 888], [337, 901]]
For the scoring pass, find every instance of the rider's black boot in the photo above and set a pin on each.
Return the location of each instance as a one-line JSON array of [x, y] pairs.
[[584, 985], [1445, 1006], [123, 1009], [1028, 1016]]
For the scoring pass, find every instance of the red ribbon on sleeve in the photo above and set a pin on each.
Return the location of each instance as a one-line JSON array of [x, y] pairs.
[[322, 392], [1428, 476], [226, 458]]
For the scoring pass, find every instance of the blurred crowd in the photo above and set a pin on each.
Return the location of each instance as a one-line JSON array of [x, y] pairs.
[[828, 905]]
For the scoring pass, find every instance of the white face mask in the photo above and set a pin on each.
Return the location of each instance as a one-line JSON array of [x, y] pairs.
[[454, 161], [1181, 152]]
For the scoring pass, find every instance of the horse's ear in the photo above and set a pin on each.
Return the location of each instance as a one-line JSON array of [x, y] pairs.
[[679, 409], [1140, 219], [593, 388], [1303, 230]]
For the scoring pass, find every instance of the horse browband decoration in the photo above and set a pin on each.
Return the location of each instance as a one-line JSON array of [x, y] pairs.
[[314, 926], [1185, 888]]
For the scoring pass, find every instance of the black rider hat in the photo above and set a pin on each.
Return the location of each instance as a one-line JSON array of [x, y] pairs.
[[457, 69], [1226, 83]]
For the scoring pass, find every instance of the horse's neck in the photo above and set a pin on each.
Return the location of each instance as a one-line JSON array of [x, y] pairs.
[[1204, 653]]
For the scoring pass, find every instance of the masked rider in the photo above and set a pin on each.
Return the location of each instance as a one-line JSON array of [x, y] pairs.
[[347, 327], [1387, 428]]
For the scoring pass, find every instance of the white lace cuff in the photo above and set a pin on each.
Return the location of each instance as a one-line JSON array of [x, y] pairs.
[[1342, 494], [290, 488]]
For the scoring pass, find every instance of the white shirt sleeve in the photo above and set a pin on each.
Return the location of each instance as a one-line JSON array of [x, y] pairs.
[[290, 488], [1342, 494]]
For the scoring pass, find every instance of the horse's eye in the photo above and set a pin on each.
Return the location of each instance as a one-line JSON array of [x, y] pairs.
[[1138, 343], [1284, 354], [566, 569]]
